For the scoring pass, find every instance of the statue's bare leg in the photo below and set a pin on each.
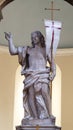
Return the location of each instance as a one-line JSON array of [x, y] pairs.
[[46, 97], [32, 102]]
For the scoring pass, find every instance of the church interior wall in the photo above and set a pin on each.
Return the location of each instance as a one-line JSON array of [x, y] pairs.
[[66, 65], [8, 67]]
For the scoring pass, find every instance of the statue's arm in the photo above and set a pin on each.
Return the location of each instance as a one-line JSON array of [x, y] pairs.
[[12, 49], [52, 67]]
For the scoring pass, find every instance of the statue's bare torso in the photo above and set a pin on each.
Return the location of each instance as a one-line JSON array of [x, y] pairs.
[[37, 58]]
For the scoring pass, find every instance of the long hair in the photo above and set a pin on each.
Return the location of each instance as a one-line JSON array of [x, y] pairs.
[[41, 37]]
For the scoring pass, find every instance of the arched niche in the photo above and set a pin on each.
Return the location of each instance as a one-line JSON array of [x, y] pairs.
[[18, 97]]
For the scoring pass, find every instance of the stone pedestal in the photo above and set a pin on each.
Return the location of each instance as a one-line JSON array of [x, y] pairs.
[[38, 128], [38, 124]]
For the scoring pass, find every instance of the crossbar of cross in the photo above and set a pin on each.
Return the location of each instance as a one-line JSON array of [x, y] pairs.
[[52, 10]]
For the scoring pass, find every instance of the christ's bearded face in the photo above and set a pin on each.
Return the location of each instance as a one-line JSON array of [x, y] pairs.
[[35, 38]]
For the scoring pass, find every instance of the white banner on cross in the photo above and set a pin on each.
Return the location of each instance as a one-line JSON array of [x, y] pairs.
[[53, 29]]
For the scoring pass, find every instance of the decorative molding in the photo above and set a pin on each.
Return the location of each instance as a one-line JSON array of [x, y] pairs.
[[4, 49], [3, 3], [65, 52], [60, 52]]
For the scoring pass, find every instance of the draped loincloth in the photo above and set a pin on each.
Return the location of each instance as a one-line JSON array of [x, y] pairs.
[[34, 77]]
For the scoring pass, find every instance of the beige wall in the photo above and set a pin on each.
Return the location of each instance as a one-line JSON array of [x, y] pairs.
[[66, 65], [8, 66]]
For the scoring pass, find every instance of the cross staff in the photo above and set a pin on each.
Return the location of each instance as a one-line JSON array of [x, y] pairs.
[[52, 17], [37, 127]]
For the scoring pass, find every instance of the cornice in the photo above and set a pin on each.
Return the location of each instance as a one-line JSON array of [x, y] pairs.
[[65, 52], [4, 49], [60, 52]]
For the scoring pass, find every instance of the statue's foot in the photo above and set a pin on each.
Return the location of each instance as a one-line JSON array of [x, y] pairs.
[[28, 117]]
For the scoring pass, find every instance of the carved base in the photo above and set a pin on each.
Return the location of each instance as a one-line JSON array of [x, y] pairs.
[[38, 128], [39, 122]]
